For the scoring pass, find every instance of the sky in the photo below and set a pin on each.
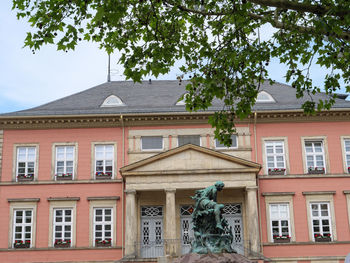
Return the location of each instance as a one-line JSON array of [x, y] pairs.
[[28, 80]]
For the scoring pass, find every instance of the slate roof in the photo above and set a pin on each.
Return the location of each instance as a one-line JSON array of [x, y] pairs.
[[158, 97]]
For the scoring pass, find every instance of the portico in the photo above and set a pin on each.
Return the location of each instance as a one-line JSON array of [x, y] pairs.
[[158, 203]]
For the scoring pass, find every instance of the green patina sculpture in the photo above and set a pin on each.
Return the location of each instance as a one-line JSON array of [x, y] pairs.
[[212, 233]]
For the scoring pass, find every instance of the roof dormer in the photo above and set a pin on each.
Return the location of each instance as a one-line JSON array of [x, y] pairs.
[[112, 101], [264, 97]]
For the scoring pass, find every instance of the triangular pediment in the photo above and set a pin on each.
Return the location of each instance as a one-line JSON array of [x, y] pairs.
[[190, 158]]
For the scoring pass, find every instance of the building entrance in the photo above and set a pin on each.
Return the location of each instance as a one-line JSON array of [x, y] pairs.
[[231, 212], [186, 228], [152, 244]]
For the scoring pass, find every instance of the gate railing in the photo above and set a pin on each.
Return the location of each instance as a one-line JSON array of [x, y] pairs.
[[154, 249]]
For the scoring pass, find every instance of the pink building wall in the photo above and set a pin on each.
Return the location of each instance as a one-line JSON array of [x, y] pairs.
[[84, 137], [294, 132], [45, 139]]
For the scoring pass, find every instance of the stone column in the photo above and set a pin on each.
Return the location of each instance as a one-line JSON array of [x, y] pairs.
[[252, 217], [130, 223], [170, 222]]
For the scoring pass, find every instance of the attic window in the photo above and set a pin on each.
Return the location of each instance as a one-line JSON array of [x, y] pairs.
[[263, 96], [183, 101], [112, 101]]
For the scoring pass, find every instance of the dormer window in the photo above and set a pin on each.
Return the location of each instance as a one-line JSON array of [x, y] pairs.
[[263, 96], [183, 101], [112, 101]]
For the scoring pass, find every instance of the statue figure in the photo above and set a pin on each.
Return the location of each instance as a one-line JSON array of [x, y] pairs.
[[212, 232]]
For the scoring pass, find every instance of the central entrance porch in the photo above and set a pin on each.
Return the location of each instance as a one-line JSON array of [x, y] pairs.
[[159, 205], [151, 242]]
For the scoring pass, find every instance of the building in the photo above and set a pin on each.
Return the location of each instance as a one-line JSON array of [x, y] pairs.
[[107, 174]]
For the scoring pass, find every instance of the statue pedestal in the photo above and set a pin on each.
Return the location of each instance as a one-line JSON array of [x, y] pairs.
[[212, 258]]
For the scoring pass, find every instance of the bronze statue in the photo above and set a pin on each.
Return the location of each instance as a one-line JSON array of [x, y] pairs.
[[212, 232]]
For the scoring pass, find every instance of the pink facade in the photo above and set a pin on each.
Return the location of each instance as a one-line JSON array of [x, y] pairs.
[[301, 194], [83, 187], [335, 182]]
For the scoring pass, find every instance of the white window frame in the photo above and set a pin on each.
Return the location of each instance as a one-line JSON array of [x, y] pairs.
[[112, 101], [103, 223], [225, 147], [26, 161], [200, 138], [320, 218], [275, 155], [183, 100], [65, 160], [279, 219], [347, 154], [23, 225], [63, 224], [267, 100], [154, 149], [314, 154], [104, 159]]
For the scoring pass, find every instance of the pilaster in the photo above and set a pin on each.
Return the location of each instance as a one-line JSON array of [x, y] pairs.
[[252, 215], [170, 222], [130, 223]]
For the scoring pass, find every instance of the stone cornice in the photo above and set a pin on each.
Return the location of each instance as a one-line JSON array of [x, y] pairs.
[[55, 249], [11, 183], [170, 118], [23, 200], [94, 198], [192, 172], [63, 198], [302, 176], [277, 193], [319, 193]]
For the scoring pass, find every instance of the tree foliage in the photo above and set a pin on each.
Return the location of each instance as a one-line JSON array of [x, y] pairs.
[[218, 40]]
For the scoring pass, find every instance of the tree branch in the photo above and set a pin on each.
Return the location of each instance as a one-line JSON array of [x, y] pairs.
[[275, 23], [302, 7]]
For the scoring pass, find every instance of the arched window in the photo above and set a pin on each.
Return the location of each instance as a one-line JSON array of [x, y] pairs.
[[183, 101], [112, 101], [263, 96]]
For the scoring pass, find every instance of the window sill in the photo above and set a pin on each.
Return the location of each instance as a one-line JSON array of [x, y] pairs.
[[103, 177], [22, 179], [64, 178], [279, 241], [276, 172], [316, 172], [22, 246], [62, 245], [102, 245], [323, 240]]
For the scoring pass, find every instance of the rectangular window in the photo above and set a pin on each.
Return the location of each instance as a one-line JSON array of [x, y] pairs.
[[185, 139], [347, 154], [64, 162], [233, 144], [280, 221], [151, 143], [22, 228], [315, 160], [62, 227], [321, 221], [104, 161], [275, 157], [26, 157], [103, 223]]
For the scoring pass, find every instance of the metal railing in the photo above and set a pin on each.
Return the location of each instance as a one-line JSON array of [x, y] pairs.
[[160, 248]]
